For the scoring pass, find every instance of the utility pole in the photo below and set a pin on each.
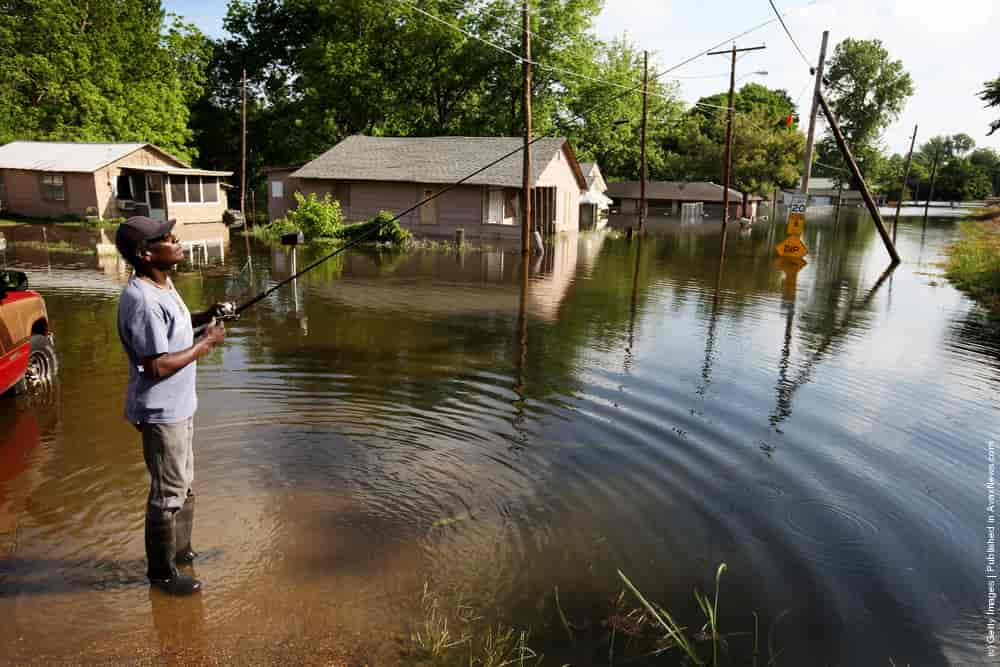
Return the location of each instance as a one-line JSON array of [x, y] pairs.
[[526, 108], [243, 150], [727, 160], [859, 177], [930, 192], [645, 109], [902, 190], [811, 135]]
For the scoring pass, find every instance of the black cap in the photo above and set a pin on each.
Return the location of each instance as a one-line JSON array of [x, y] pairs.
[[140, 228]]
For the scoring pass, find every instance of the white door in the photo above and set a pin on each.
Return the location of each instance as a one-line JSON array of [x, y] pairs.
[[155, 198]]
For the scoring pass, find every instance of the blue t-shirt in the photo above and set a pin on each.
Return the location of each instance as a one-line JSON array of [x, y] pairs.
[[152, 321]]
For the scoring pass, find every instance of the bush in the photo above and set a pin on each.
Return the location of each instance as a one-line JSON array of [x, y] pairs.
[[391, 232], [314, 217]]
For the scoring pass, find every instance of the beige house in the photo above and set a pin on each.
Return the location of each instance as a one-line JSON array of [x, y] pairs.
[[41, 179], [370, 174]]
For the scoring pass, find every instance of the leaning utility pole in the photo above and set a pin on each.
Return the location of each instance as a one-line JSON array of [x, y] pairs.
[[243, 149], [930, 192], [811, 135], [645, 109], [727, 160], [526, 109], [902, 189], [856, 172]]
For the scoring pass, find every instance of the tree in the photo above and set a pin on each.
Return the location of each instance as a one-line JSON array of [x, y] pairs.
[[991, 95], [866, 92], [99, 71], [960, 179], [988, 160], [766, 153], [610, 133]]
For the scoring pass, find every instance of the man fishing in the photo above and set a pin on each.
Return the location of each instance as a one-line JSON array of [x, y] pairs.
[[157, 332]]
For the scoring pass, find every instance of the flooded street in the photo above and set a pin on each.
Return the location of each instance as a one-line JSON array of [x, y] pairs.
[[430, 419]]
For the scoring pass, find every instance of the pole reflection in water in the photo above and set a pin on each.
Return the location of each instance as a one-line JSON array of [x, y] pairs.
[[786, 388], [634, 305], [706, 368]]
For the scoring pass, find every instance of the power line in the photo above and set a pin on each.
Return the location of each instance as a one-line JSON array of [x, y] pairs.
[[789, 33]]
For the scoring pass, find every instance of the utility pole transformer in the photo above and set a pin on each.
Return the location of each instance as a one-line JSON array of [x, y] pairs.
[[727, 160], [810, 137], [526, 108], [644, 175]]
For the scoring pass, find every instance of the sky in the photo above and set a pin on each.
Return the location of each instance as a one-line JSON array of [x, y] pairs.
[[947, 47]]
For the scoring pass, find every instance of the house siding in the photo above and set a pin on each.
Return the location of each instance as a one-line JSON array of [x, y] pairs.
[[559, 174], [24, 194]]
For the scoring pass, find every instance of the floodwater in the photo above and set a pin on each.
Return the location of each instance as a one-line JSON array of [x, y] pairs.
[[431, 419]]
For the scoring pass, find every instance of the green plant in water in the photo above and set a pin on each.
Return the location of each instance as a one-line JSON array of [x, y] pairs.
[[312, 216], [974, 262], [676, 635]]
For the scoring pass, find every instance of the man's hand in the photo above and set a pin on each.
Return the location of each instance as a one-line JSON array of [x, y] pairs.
[[224, 310], [215, 333]]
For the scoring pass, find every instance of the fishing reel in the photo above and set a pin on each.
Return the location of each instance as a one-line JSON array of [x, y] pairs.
[[225, 311]]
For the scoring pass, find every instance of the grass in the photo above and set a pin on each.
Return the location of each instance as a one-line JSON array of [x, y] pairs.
[[974, 261], [640, 631], [55, 246], [12, 221]]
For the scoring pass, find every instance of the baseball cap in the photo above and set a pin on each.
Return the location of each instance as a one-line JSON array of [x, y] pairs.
[[140, 228]]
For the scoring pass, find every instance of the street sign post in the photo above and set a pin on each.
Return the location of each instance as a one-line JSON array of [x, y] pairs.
[[793, 246]]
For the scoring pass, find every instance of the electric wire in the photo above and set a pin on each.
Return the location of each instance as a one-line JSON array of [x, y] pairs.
[[789, 33], [377, 228]]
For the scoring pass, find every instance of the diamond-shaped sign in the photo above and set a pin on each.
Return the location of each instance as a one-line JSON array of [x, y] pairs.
[[792, 247]]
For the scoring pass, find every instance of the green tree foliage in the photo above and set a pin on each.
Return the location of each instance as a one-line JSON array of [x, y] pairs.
[[119, 70], [604, 122], [866, 90], [963, 173], [766, 153], [991, 95], [321, 70]]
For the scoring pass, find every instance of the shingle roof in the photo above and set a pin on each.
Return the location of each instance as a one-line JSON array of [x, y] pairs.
[[679, 190], [64, 156], [432, 160]]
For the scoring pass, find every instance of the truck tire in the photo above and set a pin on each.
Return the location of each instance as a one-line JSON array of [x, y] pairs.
[[42, 365]]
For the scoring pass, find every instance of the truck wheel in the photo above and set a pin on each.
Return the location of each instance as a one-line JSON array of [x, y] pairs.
[[42, 365]]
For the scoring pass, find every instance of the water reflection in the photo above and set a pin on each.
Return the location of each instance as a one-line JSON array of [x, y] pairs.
[[464, 419]]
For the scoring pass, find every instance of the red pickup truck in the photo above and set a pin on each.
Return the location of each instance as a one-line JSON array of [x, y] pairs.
[[27, 352]]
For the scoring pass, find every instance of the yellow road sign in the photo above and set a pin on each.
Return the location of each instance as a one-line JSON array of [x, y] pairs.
[[796, 222], [792, 247]]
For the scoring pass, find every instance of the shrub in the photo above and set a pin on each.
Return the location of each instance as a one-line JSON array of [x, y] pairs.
[[315, 217], [390, 233]]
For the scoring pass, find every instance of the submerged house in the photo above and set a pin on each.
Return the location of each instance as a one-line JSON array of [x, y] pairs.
[[47, 179], [594, 203], [666, 198], [370, 174]]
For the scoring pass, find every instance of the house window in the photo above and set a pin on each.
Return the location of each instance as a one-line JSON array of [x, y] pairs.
[[194, 189], [178, 194], [277, 189], [210, 188], [123, 186], [493, 206], [53, 187]]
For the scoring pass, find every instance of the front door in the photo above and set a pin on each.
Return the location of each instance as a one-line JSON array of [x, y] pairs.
[[154, 197]]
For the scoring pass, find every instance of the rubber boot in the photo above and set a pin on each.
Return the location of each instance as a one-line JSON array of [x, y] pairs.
[[183, 523], [161, 546]]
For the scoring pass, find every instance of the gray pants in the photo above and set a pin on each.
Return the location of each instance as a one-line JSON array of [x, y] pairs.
[[169, 454]]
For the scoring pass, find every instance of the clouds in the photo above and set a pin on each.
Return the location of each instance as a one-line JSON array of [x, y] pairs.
[[948, 48]]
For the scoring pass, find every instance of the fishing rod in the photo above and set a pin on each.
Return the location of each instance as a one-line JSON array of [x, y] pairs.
[[231, 311]]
